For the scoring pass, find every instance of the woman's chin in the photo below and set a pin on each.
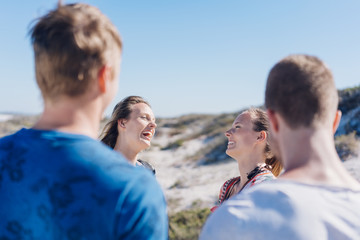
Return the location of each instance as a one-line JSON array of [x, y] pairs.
[[230, 152], [145, 144]]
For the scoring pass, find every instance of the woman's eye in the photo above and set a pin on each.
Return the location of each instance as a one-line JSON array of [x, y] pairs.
[[146, 118], [237, 126]]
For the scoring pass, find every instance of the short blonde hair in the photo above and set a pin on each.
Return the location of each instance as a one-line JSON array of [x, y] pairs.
[[71, 44]]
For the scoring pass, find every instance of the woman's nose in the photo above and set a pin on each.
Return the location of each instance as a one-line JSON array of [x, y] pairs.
[[153, 125], [228, 133]]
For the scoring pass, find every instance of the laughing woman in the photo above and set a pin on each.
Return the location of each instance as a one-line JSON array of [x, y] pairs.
[[248, 144], [130, 129]]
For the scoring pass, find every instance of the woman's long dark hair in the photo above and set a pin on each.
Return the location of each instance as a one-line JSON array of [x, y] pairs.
[[122, 110], [260, 122]]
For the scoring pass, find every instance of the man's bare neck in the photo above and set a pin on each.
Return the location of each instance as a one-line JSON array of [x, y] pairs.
[[311, 158], [67, 117]]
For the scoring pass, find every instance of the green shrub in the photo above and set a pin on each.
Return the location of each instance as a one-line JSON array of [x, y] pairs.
[[174, 145], [187, 224], [349, 99], [177, 184], [213, 152], [347, 146]]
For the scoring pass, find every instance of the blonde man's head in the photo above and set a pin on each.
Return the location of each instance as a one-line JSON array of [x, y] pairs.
[[71, 44]]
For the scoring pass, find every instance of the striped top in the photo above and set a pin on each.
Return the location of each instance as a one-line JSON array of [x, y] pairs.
[[258, 175]]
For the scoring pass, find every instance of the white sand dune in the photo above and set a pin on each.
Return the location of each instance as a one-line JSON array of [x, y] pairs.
[[353, 166], [185, 183], [5, 117]]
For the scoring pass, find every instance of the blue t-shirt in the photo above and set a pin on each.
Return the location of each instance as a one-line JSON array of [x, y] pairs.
[[56, 185]]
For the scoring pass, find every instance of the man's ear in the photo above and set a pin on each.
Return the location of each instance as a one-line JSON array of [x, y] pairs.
[[337, 120], [103, 77], [274, 122]]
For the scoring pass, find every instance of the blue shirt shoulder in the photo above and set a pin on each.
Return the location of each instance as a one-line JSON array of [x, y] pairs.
[[56, 185]]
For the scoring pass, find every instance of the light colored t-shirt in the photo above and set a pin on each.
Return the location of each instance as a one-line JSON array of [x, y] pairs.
[[287, 210]]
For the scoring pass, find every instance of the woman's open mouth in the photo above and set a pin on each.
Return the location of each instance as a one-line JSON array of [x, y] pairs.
[[147, 135]]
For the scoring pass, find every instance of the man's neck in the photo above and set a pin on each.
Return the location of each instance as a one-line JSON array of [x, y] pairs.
[[69, 115], [309, 156]]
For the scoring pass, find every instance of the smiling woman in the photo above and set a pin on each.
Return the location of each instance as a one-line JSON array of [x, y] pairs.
[[249, 144], [130, 129]]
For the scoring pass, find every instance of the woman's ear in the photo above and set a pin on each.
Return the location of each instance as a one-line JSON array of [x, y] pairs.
[[121, 122], [262, 136]]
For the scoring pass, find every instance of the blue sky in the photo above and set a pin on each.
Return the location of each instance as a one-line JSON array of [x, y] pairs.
[[194, 56]]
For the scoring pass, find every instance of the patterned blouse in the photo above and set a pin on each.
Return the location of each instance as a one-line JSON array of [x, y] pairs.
[[256, 176]]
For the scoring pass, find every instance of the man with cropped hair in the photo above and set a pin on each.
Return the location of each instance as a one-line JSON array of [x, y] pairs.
[[56, 180], [315, 197]]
